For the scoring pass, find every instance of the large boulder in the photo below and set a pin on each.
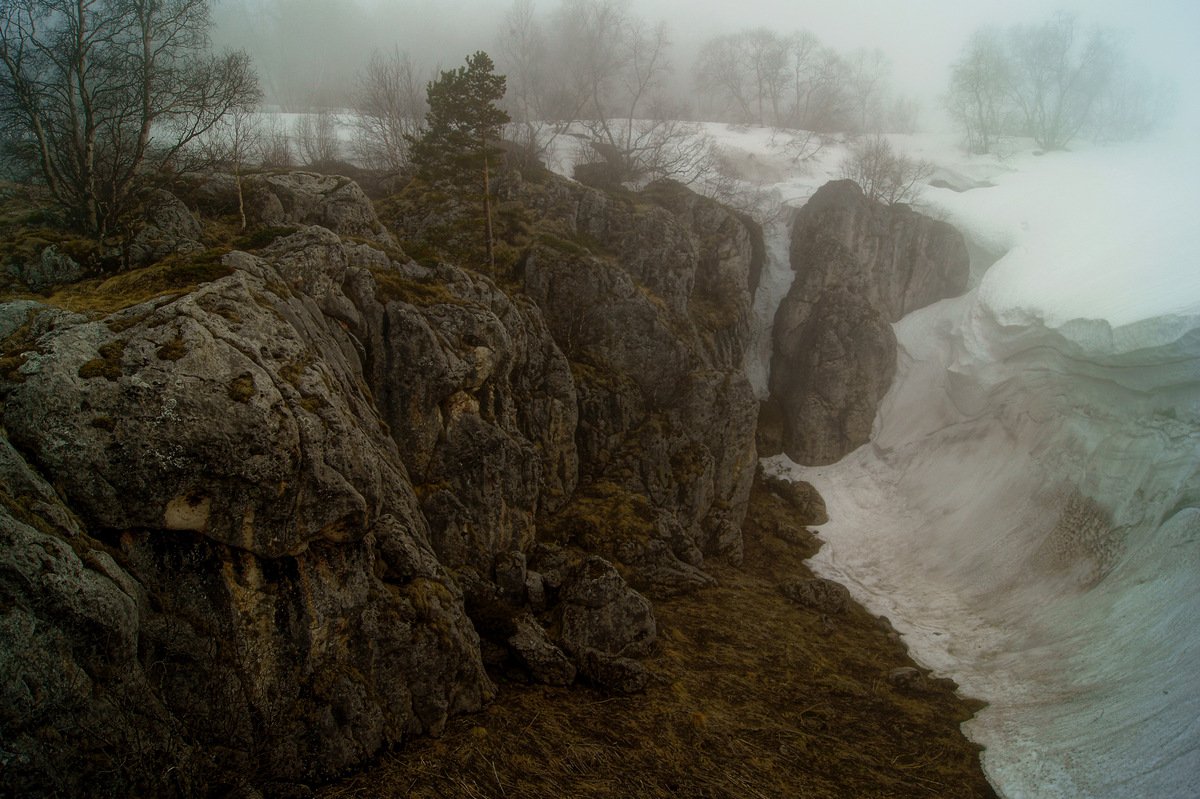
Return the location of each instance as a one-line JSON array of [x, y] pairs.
[[169, 228], [903, 260], [605, 625], [274, 199], [860, 265], [834, 361]]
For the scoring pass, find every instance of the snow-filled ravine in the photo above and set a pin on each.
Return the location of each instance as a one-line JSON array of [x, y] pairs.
[[1028, 511]]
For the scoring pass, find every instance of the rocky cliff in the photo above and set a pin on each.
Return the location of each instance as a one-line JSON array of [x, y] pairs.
[[280, 509], [860, 265]]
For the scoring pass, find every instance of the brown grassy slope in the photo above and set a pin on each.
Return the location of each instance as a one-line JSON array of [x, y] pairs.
[[757, 698]]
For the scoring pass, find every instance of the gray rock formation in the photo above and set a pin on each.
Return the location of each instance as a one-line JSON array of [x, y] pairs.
[[859, 266], [295, 198], [537, 653], [283, 604], [834, 359], [52, 268], [605, 625], [170, 228], [808, 504], [651, 305], [258, 528], [903, 260]]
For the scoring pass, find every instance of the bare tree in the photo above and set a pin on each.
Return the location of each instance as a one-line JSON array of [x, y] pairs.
[[868, 85], [525, 61], [107, 93], [614, 65], [317, 139], [1132, 106], [275, 146], [721, 72], [768, 58], [748, 70], [803, 49], [1058, 77], [233, 142], [979, 89], [801, 83], [592, 55], [829, 105], [390, 108], [881, 173]]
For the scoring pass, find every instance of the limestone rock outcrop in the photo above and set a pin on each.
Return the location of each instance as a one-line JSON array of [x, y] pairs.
[[253, 571], [254, 530], [860, 265], [294, 198], [651, 304], [904, 260]]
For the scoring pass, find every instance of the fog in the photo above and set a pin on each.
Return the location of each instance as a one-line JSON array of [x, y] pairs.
[[309, 51]]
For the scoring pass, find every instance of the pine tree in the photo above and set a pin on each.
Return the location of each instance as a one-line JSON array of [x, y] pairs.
[[462, 127]]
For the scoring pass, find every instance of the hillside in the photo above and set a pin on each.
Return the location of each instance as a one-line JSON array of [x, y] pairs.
[[279, 501]]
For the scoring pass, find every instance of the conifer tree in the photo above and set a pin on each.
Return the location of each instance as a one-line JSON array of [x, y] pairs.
[[462, 127]]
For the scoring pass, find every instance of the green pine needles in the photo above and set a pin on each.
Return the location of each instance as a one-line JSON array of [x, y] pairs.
[[463, 128]]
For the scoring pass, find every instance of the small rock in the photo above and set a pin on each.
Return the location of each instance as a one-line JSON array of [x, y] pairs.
[[510, 573], [616, 674], [792, 535], [601, 612], [727, 541], [535, 590], [819, 594], [905, 677], [546, 662], [807, 501]]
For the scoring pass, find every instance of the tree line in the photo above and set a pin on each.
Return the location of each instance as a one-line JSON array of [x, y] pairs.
[[101, 98], [1052, 81]]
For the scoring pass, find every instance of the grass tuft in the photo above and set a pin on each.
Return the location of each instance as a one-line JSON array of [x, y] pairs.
[[241, 388], [108, 365]]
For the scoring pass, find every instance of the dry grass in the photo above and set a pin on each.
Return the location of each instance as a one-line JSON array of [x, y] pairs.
[[755, 697], [171, 277]]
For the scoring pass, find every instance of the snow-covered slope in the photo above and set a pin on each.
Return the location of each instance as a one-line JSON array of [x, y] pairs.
[[1028, 512]]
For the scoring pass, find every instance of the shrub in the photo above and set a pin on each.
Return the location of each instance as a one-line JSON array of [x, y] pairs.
[[881, 173]]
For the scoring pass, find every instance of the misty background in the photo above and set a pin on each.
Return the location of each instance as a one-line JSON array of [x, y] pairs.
[[309, 53]]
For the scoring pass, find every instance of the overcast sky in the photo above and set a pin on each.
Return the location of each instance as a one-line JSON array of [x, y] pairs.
[[921, 37]]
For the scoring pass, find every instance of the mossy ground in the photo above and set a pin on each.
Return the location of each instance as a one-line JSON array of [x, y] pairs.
[[174, 276], [754, 697]]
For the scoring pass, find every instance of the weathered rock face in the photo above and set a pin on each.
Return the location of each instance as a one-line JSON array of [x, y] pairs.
[[654, 316], [259, 527], [834, 360], [277, 599], [859, 266], [904, 260], [170, 228], [296, 198]]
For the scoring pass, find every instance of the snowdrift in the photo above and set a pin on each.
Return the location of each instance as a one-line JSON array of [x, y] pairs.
[[1028, 511]]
